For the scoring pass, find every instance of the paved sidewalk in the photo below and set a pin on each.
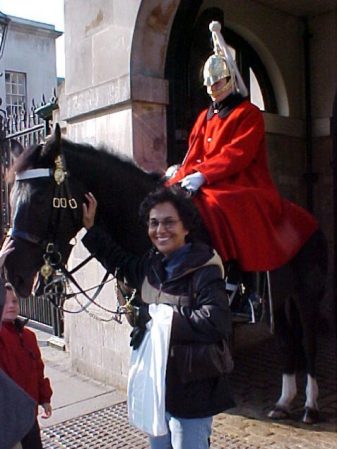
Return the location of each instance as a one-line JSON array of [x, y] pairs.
[[74, 395], [90, 415]]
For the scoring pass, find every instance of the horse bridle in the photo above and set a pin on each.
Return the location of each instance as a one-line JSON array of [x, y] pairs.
[[61, 200], [54, 272]]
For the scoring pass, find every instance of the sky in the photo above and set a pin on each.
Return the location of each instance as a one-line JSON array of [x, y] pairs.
[[47, 11]]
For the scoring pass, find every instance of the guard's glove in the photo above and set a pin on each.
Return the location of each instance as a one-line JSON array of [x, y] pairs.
[[171, 171], [138, 332], [193, 182]]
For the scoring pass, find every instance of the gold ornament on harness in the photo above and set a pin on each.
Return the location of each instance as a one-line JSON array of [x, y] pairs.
[[46, 270], [59, 172], [125, 296]]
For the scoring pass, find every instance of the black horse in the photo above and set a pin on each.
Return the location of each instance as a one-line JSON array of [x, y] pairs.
[[48, 213]]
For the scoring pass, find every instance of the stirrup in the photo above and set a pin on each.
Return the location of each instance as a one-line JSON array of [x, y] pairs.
[[256, 307], [245, 309]]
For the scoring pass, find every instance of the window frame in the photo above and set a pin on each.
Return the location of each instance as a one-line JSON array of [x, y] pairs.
[[15, 100]]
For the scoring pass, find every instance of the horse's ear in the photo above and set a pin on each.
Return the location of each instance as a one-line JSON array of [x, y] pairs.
[[52, 147], [16, 148], [57, 135]]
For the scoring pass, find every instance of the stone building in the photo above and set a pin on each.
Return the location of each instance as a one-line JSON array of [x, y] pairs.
[[28, 64], [27, 73], [133, 82]]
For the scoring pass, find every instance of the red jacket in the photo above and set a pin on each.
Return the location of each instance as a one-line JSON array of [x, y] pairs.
[[20, 359], [240, 205]]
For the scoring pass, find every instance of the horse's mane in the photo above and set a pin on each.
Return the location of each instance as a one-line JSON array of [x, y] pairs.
[[100, 159], [26, 160], [103, 163]]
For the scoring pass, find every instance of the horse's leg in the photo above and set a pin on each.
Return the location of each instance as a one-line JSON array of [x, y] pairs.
[[311, 414], [281, 409], [288, 340], [299, 346], [309, 312], [310, 265]]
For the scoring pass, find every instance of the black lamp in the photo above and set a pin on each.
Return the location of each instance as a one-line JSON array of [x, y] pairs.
[[4, 21]]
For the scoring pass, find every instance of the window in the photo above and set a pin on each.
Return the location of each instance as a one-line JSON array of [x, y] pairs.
[[256, 96], [15, 93], [253, 72], [255, 92]]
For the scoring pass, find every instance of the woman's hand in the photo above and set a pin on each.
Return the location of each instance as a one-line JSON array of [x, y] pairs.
[[89, 211], [7, 248]]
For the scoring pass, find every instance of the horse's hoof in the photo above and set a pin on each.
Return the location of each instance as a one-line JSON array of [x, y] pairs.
[[279, 413], [311, 416]]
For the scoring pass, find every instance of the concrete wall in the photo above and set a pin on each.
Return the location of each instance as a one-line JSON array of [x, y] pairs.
[[96, 107], [116, 93], [30, 48]]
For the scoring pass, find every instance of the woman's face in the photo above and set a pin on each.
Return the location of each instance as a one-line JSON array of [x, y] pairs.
[[165, 228]]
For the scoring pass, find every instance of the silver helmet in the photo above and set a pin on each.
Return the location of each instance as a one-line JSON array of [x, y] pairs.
[[215, 69], [221, 64]]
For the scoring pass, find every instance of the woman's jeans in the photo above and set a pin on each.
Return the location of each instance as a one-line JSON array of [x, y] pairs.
[[184, 434]]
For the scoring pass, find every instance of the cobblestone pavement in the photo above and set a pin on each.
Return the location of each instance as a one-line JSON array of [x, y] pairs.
[[256, 381]]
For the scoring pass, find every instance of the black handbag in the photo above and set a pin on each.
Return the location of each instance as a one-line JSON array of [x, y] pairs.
[[198, 361]]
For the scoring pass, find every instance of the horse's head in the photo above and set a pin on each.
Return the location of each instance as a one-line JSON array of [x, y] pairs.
[[46, 204]]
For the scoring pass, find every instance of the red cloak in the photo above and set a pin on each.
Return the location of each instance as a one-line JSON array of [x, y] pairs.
[[20, 359], [245, 215]]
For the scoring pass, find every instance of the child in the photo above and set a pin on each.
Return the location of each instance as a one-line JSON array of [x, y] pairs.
[[20, 359]]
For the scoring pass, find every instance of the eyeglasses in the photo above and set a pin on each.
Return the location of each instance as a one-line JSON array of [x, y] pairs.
[[167, 223]]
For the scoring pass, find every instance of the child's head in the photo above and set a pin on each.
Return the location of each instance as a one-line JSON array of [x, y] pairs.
[[12, 308]]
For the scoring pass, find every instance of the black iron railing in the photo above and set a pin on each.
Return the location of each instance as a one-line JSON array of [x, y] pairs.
[[40, 310], [28, 128]]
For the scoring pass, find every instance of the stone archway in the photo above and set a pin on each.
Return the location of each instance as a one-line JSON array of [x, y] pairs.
[[149, 89], [158, 24]]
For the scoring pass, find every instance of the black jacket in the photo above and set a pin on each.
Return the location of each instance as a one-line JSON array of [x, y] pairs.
[[201, 318]]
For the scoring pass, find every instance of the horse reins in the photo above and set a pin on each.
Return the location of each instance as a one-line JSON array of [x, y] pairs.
[[62, 199]]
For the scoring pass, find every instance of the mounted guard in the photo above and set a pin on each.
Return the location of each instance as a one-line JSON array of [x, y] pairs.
[[226, 165]]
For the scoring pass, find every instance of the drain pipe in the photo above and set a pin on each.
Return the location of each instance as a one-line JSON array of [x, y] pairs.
[[310, 176]]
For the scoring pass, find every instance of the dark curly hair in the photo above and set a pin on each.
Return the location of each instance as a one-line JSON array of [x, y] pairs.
[[181, 201]]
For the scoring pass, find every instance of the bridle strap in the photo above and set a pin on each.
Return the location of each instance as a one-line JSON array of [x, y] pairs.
[[61, 192], [69, 276], [34, 173], [81, 264], [26, 236]]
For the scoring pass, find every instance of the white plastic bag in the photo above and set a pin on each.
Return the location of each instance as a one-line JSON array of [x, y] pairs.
[[146, 383]]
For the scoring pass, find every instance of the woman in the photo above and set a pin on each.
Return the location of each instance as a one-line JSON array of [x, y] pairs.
[[187, 275]]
